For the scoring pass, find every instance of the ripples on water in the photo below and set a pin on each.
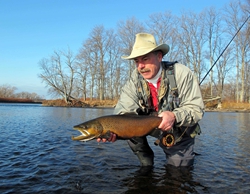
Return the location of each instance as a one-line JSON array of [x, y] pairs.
[[38, 156]]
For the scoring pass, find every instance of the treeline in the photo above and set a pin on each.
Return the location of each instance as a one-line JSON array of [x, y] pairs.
[[8, 92], [195, 39]]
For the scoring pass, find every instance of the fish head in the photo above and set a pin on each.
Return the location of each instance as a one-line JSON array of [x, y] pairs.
[[89, 130]]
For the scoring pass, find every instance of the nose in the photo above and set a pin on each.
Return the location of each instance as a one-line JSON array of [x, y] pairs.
[[140, 65]]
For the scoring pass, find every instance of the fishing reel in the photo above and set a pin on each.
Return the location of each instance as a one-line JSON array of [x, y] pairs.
[[169, 138]]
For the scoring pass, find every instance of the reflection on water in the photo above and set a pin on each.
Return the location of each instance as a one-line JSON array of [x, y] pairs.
[[38, 155]]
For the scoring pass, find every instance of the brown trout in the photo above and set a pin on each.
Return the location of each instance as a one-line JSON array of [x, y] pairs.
[[124, 126]]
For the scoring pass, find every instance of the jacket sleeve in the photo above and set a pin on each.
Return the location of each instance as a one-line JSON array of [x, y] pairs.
[[128, 101], [191, 108]]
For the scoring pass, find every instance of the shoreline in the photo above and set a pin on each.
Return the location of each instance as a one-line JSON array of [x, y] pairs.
[[228, 110], [17, 100], [98, 104]]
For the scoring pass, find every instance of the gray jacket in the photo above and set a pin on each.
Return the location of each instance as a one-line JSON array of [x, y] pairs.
[[191, 107]]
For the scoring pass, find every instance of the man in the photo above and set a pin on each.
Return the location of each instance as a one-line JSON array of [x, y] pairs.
[[149, 89]]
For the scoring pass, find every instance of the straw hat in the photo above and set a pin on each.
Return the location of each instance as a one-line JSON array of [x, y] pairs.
[[144, 44]]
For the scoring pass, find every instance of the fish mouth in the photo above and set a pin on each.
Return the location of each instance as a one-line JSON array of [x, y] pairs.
[[85, 136]]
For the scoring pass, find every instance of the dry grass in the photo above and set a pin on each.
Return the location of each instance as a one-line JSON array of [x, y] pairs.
[[235, 106], [80, 103], [101, 103], [226, 105]]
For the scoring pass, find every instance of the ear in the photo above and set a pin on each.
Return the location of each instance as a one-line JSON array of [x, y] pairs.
[[159, 56]]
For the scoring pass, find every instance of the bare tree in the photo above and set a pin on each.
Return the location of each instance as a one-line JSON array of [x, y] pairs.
[[234, 18], [80, 84], [7, 91], [58, 73], [223, 66], [99, 52], [27, 95], [164, 27], [88, 63], [114, 76], [213, 33], [126, 31], [102, 42], [192, 39]]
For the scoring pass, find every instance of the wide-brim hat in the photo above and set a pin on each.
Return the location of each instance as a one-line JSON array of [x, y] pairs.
[[144, 44]]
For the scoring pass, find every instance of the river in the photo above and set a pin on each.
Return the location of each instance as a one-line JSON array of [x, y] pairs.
[[38, 156]]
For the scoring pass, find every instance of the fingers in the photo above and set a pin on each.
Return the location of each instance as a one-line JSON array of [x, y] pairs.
[[165, 124], [165, 127], [112, 138], [168, 119], [101, 140]]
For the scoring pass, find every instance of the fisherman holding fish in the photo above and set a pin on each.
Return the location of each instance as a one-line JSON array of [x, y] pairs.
[[169, 89]]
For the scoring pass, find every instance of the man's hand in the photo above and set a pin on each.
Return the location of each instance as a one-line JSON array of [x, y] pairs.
[[168, 119], [111, 139]]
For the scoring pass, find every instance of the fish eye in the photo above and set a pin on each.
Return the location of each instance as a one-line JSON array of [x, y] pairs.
[[83, 126], [86, 126]]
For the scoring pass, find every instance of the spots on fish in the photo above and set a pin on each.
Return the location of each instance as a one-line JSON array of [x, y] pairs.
[[124, 126]]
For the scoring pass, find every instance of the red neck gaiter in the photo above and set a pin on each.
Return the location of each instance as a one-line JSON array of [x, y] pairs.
[[154, 93]]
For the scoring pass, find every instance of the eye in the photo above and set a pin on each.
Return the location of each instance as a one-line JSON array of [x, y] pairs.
[[83, 126]]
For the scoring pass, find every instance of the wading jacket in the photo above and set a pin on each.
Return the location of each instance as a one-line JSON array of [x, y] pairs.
[[190, 104]]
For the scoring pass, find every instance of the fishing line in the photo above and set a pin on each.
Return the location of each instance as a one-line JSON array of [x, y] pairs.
[[224, 50]]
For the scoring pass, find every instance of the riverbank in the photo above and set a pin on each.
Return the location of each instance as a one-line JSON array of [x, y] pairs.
[[19, 100], [230, 106], [226, 106], [227, 110], [81, 103]]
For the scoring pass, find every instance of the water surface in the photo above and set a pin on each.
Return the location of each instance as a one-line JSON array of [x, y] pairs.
[[38, 156]]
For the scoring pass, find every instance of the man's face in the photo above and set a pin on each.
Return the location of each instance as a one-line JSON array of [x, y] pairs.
[[148, 65]]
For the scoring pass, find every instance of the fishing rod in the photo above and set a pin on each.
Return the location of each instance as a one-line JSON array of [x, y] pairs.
[[224, 50]]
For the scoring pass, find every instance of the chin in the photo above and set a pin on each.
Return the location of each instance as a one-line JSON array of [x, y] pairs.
[[147, 76]]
